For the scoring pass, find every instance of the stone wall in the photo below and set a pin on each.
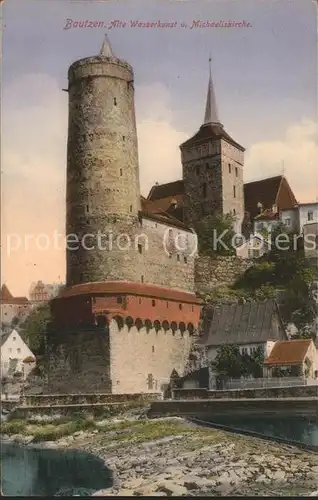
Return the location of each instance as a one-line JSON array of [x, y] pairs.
[[143, 360], [78, 362], [86, 399], [236, 407], [118, 360], [308, 391], [213, 272]]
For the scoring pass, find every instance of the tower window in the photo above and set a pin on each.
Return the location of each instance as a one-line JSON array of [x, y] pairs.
[[153, 303], [139, 248], [178, 257], [115, 101], [236, 171], [142, 278], [234, 191], [197, 169], [234, 211], [121, 171], [185, 260], [124, 138], [130, 208], [153, 348], [204, 190], [87, 208], [230, 169]]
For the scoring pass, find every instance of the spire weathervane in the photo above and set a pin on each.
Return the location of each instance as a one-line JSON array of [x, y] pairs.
[[211, 111]]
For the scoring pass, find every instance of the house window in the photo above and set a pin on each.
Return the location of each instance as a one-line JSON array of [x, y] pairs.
[[14, 338], [204, 190], [180, 307], [153, 348], [150, 381], [255, 253], [153, 302], [139, 301], [119, 300], [310, 215], [236, 171], [287, 222], [19, 350], [185, 260], [167, 304], [124, 138], [115, 101], [244, 350], [10, 350], [139, 248], [230, 169], [234, 191], [197, 170]]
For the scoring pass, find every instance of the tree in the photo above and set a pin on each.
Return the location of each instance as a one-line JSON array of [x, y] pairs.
[[228, 361], [216, 235], [34, 327]]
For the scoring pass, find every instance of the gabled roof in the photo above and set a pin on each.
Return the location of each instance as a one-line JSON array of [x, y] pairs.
[[269, 192], [242, 324], [5, 335], [289, 352], [169, 189], [7, 298]]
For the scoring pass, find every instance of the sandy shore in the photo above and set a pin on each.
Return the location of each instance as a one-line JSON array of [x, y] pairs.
[[165, 457]]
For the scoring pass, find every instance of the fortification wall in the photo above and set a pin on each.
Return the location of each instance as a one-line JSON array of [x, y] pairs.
[[213, 272]]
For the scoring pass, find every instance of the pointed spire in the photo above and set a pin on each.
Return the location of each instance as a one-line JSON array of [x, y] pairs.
[[211, 111], [106, 49]]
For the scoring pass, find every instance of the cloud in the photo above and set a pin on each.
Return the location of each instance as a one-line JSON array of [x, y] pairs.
[[297, 153], [34, 135]]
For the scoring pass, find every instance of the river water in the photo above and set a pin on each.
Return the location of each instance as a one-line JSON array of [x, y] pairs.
[[301, 430], [28, 471]]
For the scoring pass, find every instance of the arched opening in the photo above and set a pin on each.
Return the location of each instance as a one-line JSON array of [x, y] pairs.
[[148, 324], [129, 322], [138, 323], [101, 321], [182, 327], [157, 325], [165, 325], [174, 326], [190, 328], [120, 322]]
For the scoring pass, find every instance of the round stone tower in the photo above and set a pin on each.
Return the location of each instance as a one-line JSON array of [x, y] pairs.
[[103, 193]]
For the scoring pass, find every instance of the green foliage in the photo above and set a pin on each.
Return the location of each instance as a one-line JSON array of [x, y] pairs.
[[229, 362], [34, 327], [212, 228]]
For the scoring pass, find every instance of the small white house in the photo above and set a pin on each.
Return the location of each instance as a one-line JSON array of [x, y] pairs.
[[14, 351], [253, 248]]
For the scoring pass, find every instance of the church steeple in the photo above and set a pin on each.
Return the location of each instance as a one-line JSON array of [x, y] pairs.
[[106, 49], [211, 111]]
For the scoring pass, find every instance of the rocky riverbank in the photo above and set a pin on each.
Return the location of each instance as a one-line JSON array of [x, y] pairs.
[[170, 457]]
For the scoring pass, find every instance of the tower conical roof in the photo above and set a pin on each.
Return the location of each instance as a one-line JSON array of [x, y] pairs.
[[211, 112], [106, 49]]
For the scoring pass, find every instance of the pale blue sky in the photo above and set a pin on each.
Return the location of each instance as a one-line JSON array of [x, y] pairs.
[[265, 76]]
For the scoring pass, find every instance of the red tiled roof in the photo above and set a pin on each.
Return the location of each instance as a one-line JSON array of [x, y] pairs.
[[169, 189], [288, 352], [267, 215], [7, 298], [269, 192], [210, 131], [128, 288]]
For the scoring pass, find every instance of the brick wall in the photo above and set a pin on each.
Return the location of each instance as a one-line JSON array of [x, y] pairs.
[[211, 273]]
